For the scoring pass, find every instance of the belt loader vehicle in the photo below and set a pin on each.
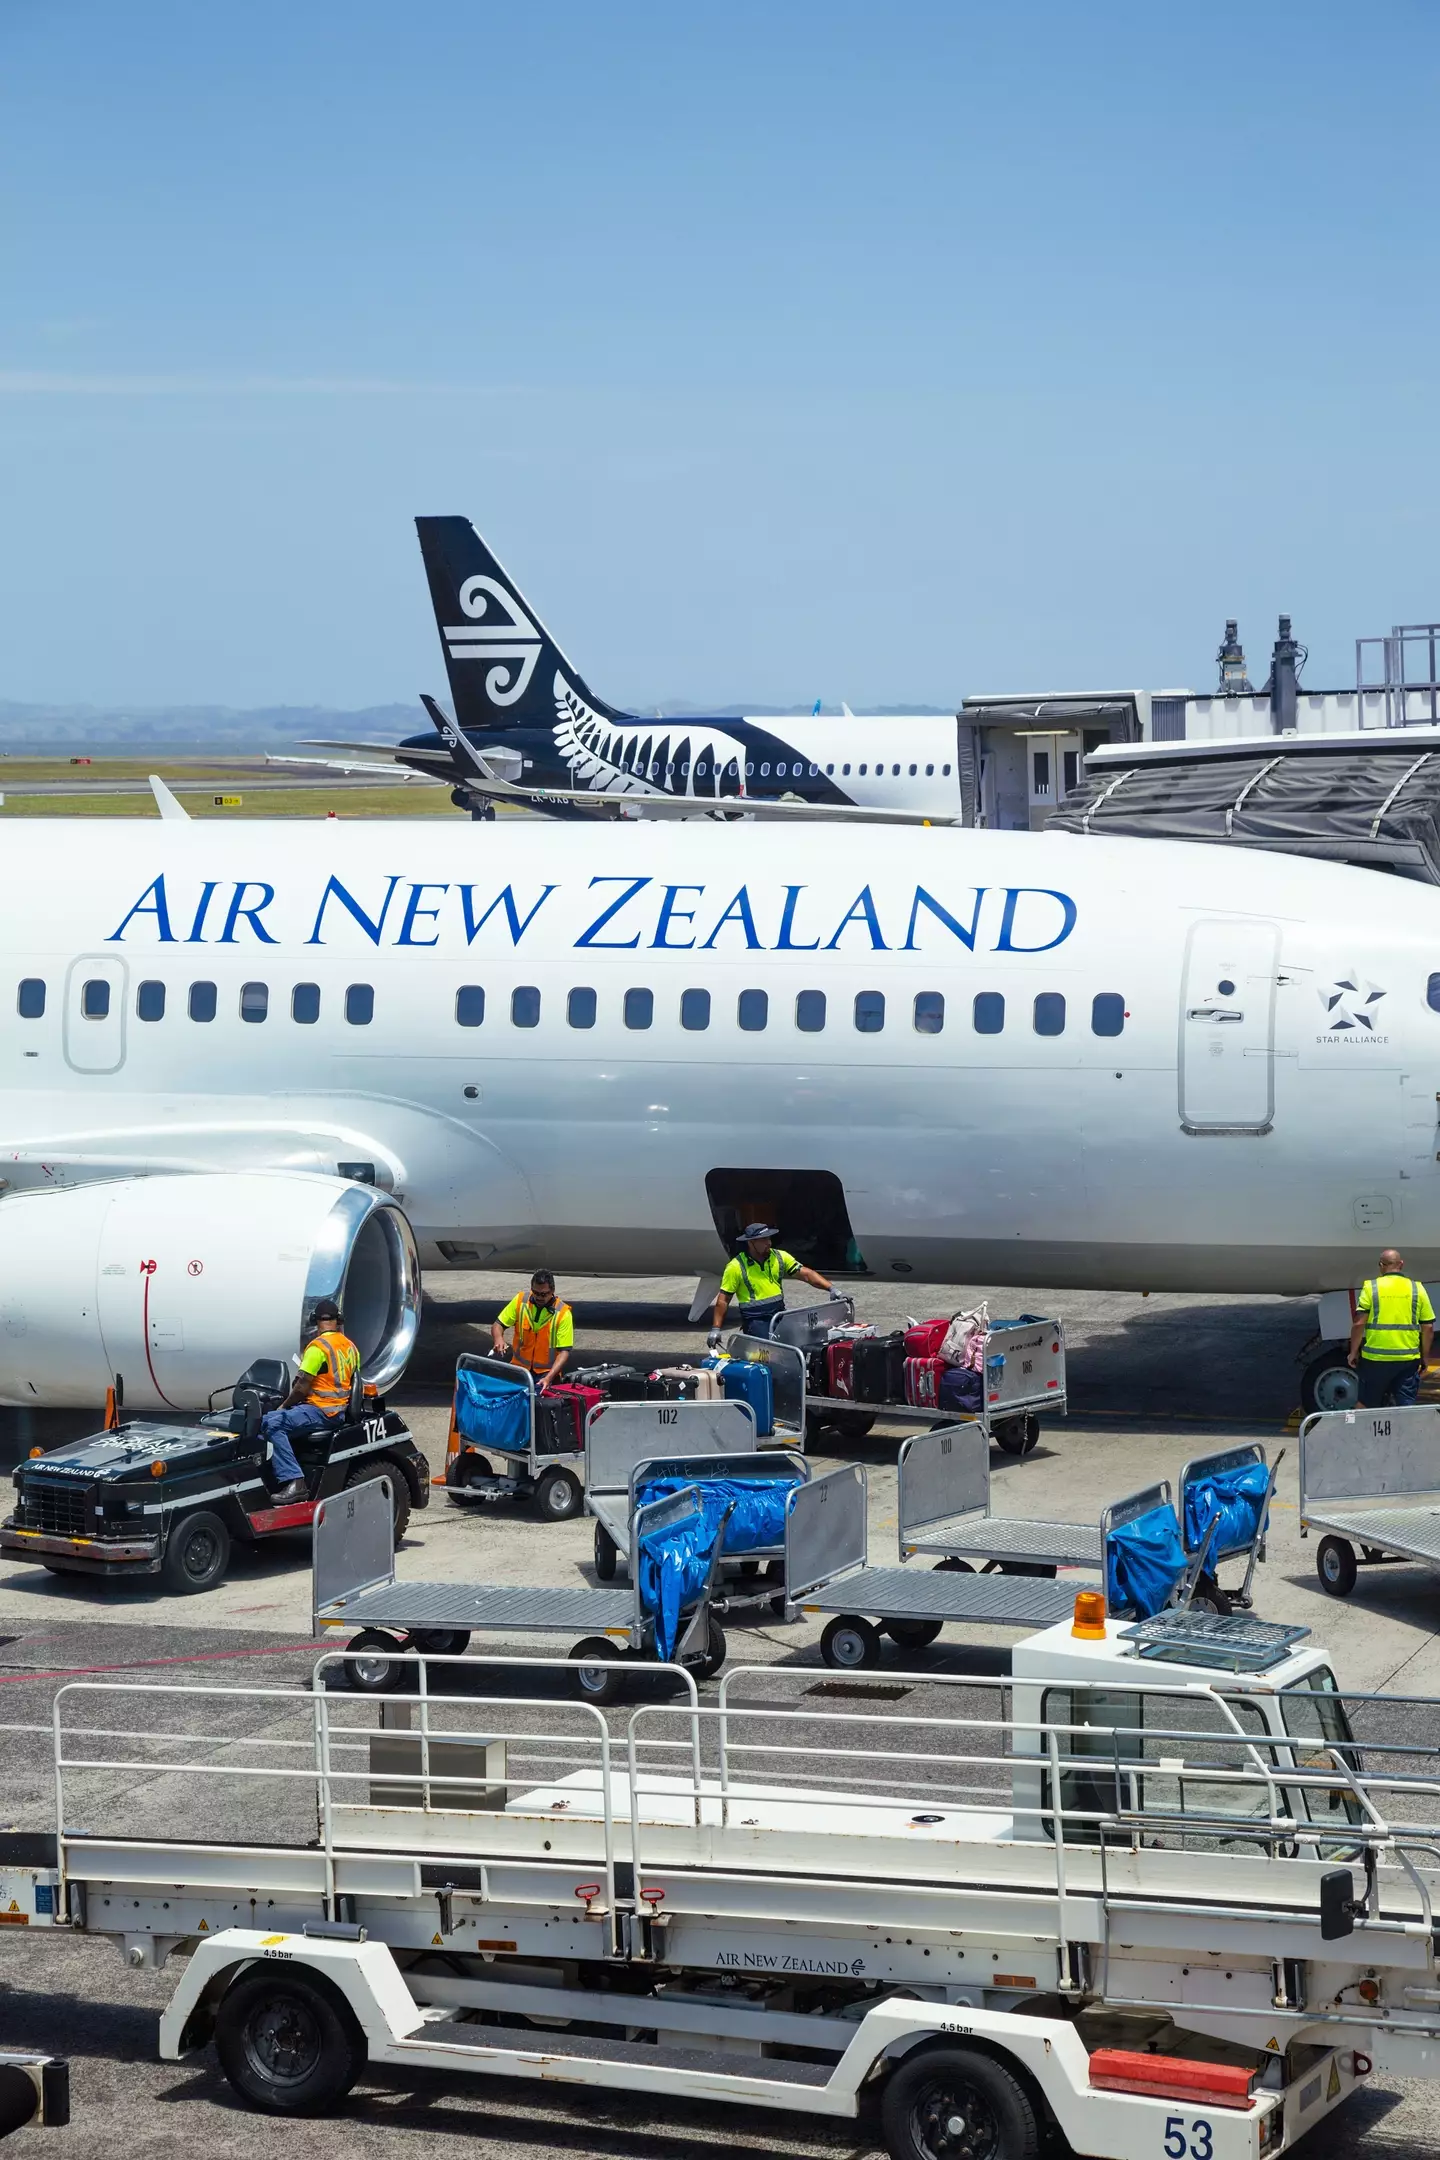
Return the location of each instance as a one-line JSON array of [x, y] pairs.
[[1165, 1891]]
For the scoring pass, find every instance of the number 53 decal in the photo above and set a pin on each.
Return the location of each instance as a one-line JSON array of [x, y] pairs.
[[1188, 2141]]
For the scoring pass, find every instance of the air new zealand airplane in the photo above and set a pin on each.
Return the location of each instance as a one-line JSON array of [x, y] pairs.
[[537, 724]]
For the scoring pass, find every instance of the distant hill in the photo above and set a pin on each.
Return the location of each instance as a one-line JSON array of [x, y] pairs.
[[43, 730]]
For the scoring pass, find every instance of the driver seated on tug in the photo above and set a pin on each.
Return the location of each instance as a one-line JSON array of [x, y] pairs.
[[320, 1396]]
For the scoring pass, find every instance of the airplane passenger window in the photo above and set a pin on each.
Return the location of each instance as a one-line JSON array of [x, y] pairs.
[[870, 1011], [1049, 1013], [360, 1004], [829, 769], [810, 1011], [95, 999], [912, 771], [863, 770], [639, 1008], [1107, 1013], [305, 1004], [929, 1012], [1432, 994], [989, 1013], [254, 1001], [750, 769], [929, 772], [202, 1001], [695, 1010], [814, 772], [525, 1006], [685, 770], [150, 1001], [845, 772], [894, 772], [753, 1010], [30, 998], [470, 1005], [946, 771], [580, 1008], [764, 772]]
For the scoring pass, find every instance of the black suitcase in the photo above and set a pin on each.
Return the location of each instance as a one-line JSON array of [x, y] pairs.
[[621, 1383], [880, 1368], [671, 1387], [816, 1377], [554, 1426]]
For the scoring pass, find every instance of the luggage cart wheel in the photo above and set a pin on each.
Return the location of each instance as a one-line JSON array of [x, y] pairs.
[[1016, 1436], [1335, 1565], [596, 1683], [850, 1643], [607, 1554], [952, 1564], [712, 1657], [912, 1634], [376, 1669], [558, 1496], [1207, 1596], [439, 1641]]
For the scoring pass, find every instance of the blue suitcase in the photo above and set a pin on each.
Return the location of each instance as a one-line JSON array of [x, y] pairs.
[[747, 1382]]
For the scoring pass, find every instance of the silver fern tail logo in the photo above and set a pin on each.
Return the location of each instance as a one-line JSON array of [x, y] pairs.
[[498, 631]]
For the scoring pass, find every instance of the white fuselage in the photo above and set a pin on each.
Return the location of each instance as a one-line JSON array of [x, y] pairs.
[[1263, 1119]]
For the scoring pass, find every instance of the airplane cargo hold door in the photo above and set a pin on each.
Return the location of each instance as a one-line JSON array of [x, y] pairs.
[[1227, 1026]]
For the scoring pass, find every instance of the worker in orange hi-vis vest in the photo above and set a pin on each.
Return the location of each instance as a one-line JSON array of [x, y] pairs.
[[542, 1330], [320, 1394]]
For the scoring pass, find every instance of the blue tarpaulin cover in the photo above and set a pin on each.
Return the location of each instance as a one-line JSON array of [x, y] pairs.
[[675, 1562], [1239, 1496], [492, 1410], [1143, 1561]]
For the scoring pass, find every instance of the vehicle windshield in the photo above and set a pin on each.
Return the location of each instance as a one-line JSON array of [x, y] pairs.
[[1314, 1712]]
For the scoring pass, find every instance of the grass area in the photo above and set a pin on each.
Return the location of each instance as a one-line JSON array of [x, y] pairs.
[[132, 768], [314, 801]]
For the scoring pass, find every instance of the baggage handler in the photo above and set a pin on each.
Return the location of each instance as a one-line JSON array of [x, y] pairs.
[[542, 1330], [754, 1282], [1390, 1341], [320, 1394]]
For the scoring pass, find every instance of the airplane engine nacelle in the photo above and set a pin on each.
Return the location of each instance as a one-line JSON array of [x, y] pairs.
[[177, 1283]]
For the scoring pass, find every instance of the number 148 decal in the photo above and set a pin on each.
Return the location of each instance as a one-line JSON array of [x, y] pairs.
[[1188, 2141]]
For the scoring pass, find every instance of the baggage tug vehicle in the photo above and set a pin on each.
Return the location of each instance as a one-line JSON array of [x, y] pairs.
[[142, 1498], [1153, 1892]]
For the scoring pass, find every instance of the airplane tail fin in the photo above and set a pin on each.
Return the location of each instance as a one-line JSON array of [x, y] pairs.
[[501, 660]]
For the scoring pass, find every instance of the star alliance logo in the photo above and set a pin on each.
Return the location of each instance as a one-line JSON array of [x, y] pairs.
[[1350, 1003]]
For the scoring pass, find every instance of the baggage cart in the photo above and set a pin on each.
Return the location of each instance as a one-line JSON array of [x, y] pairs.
[[1145, 1896], [787, 1383], [475, 1473], [1240, 1533], [1370, 1479], [827, 1571], [944, 1508], [627, 1442], [1024, 1375], [354, 1585]]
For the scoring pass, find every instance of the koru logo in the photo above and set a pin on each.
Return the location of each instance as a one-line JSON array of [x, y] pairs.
[[1350, 1003], [503, 633]]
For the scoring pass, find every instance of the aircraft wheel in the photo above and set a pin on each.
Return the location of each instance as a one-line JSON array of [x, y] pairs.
[[850, 1643], [1335, 1565]]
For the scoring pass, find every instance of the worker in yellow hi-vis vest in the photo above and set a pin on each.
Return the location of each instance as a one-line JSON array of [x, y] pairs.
[[1391, 1339]]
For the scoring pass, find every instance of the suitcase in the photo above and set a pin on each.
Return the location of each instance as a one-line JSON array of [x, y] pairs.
[[922, 1382], [744, 1381], [961, 1389], [879, 1366], [573, 1402], [840, 1368], [817, 1375], [617, 1383], [923, 1340], [677, 1383], [554, 1425]]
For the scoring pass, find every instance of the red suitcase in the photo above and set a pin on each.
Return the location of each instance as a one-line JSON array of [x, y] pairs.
[[923, 1340], [840, 1368], [922, 1382], [577, 1401]]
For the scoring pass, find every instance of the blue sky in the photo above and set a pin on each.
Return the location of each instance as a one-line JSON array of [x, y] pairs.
[[781, 351]]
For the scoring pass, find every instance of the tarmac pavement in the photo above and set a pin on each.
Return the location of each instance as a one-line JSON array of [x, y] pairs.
[[1153, 1382]]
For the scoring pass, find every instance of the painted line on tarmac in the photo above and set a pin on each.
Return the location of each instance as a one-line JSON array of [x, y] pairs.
[[198, 1657]]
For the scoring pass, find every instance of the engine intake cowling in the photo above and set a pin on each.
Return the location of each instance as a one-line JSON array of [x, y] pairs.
[[178, 1283]]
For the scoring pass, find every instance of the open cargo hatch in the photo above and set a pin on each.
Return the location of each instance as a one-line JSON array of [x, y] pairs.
[[1373, 803]]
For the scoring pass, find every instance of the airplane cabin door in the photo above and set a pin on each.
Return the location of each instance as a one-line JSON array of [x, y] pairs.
[[1227, 1027], [95, 1013]]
